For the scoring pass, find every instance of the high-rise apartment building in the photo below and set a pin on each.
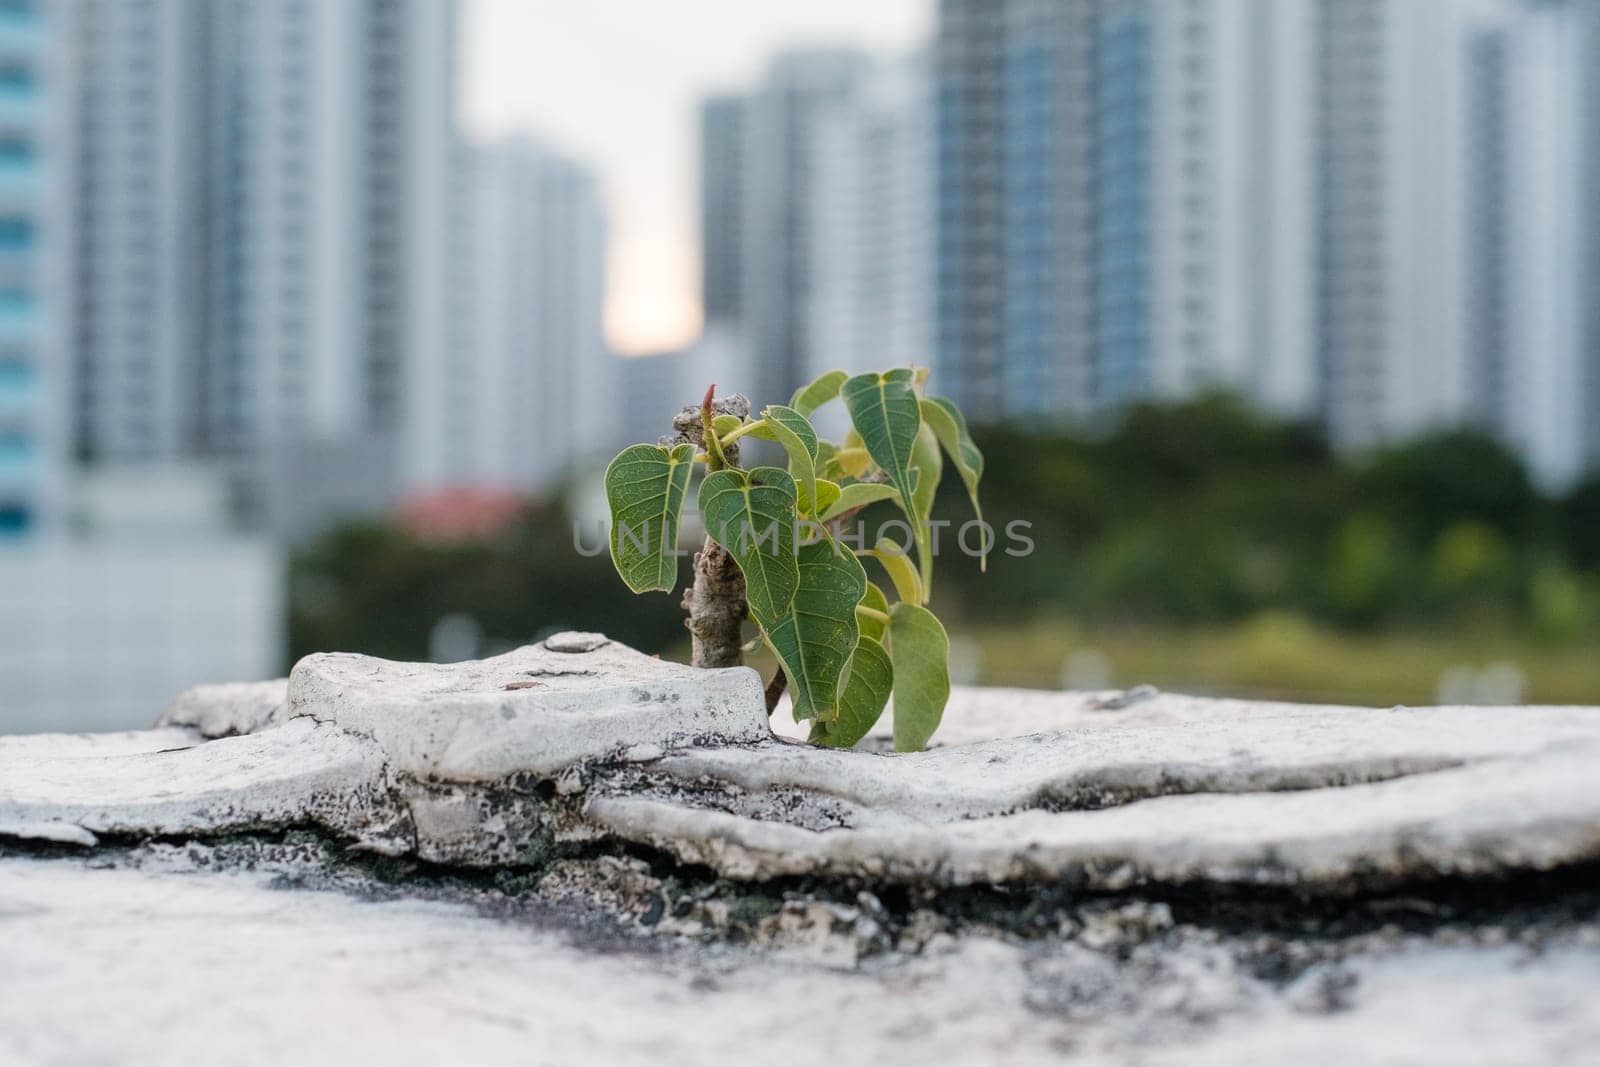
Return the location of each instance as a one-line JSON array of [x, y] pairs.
[[969, 68], [1392, 155], [1587, 31], [262, 246], [1367, 209], [333, 226], [723, 121], [1456, 229], [1529, 348], [533, 387], [136, 139], [32, 422], [871, 240], [758, 156], [1116, 191]]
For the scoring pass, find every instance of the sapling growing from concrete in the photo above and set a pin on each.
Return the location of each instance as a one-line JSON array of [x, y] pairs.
[[780, 552]]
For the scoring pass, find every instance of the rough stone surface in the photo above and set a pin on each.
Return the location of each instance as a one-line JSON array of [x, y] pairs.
[[1170, 789], [537, 710], [574, 852], [229, 709], [298, 773], [498, 761]]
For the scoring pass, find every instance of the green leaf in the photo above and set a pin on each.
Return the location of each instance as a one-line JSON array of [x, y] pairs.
[[858, 495], [947, 422], [723, 425], [920, 652], [791, 430], [827, 461], [874, 600], [815, 640], [751, 515], [897, 565], [927, 465], [828, 494], [862, 702], [851, 461], [645, 487], [886, 413], [809, 398]]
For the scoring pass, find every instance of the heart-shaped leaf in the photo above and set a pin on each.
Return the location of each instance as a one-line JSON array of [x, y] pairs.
[[885, 411], [920, 652], [816, 638], [645, 487], [813, 395], [790, 429], [751, 515], [950, 426], [862, 702]]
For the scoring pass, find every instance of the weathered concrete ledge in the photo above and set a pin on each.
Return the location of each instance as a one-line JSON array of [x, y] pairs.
[[1097, 877], [581, 739]]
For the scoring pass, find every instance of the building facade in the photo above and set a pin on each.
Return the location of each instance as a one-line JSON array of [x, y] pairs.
[[161, 616], [332, 232], [1118, 183], [261, 252], [33, 425], [1456, 232], [969, 66], [871, 300], [1530, 348], [1588, 103], [1358, 209], [534, 387], [723, 121], [1393, 190], [758, 155], [136, 136]]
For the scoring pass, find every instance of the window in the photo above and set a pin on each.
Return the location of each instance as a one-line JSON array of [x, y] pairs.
[[16, 231], [15, 519]]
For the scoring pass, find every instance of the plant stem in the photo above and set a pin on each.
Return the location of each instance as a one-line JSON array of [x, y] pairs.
[[775, 688], [734, 435], [862, 611], [715, 603], [716, 459], [716, 607]]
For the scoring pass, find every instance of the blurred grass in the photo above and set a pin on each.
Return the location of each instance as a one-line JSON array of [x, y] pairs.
[[1277, 656]]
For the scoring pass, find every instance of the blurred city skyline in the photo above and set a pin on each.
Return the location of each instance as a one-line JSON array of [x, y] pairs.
[[618, 84], [274, 268]]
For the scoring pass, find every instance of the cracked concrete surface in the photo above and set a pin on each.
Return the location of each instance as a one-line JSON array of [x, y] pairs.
[[453, 763], [520, 852]]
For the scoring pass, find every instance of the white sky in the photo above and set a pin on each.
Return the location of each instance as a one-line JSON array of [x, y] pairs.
[[615, 83]]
